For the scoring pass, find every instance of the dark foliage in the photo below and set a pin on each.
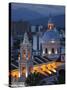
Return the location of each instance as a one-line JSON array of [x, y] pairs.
[[34, 79]]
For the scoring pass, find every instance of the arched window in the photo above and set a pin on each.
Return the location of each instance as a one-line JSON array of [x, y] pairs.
[[52, 50], [23, 70], [24, 54], [46, 50]]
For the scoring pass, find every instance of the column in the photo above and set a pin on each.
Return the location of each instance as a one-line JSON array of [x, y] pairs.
[[34, 42]]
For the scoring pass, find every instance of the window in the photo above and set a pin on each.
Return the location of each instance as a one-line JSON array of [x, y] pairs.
[[24, 54], [23, 70], [46, 50], [52, 50]]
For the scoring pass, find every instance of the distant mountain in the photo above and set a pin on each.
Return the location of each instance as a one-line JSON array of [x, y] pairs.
[[24, 14], [58, 20], [35, 17]]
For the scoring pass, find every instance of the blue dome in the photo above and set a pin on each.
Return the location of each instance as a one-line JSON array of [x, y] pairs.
[[51, 35]]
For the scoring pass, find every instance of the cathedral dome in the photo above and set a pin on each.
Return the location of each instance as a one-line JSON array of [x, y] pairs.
[[51, 35]]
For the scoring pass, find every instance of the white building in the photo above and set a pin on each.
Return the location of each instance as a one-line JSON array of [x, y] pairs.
[[51, 42], [25, 58]]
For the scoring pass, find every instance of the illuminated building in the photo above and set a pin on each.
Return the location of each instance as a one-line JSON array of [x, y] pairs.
[[45, 63], [25, 58], [51, 42], [36, 38]]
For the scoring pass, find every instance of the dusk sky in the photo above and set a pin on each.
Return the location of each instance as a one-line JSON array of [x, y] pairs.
[[36, 12]]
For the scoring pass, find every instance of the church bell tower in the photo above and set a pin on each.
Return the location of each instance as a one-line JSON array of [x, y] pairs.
[[25, 60]]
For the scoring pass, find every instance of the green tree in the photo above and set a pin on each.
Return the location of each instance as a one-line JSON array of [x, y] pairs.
[[33, 79], [61, 78]]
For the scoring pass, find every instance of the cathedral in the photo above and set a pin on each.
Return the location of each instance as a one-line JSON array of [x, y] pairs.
[[51, 42]]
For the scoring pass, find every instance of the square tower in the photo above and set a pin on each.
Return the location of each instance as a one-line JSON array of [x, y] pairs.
[[25, 60]]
